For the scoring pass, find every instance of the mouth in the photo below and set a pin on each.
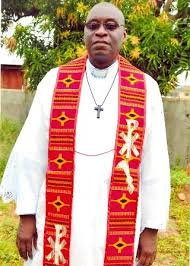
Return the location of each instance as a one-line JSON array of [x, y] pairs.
[[100, 43]]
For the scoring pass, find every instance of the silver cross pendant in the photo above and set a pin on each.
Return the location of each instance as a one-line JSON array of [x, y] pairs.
[[98, 109]]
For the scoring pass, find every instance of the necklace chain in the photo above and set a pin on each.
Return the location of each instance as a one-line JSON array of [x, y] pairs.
[[107, 92], [94, 154]]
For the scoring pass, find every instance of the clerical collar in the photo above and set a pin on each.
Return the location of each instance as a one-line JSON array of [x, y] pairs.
[[99, 73]]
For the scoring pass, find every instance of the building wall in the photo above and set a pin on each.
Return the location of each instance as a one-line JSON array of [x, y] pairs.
[[11, 77], [177, 117], [16, 104]]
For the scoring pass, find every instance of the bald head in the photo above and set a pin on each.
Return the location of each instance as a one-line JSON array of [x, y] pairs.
[[107, 9]]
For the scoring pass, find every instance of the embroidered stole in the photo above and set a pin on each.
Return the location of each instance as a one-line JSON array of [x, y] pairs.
[[124, 186]]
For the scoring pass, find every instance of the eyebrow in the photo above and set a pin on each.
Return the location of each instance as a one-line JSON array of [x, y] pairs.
[[106, 20]]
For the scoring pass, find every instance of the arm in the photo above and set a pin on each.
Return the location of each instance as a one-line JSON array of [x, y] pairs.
[[155, 174]]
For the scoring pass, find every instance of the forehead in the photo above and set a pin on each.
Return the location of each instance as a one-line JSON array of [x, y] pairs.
[[105, 13]]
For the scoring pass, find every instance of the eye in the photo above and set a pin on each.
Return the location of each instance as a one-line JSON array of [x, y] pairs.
[[92, 25], [111, 26]]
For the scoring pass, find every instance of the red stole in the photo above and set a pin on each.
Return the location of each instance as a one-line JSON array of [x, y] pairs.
[[124, 187]]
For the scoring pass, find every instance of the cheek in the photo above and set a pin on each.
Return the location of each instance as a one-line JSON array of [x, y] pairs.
[[87, 42], [118, 41], [116, 44], [87, 38]]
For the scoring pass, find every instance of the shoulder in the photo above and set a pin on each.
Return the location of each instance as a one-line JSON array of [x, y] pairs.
[[152, 87], [153, 95], [150, 82], [45, 88], [49, 78]]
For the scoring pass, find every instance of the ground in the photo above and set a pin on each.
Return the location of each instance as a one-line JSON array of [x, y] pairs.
[[173, 244]]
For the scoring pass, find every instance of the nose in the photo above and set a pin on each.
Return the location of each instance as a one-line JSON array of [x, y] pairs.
[[101, 31]]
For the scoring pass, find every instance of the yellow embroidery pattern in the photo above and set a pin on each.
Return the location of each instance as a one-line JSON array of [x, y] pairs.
[[123, 200], [67, 81], [120, 245], [62, 118], [60, 161], [58, 203], [132, 79], [132, 115], [128, 159]]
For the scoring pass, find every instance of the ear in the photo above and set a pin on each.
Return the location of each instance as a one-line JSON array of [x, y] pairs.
[[124, 36], [84, 36]]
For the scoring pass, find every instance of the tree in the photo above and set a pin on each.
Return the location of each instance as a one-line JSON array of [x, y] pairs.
[[158, 35]]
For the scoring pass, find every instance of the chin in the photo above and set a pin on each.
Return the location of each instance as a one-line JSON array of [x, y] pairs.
[[101, 58]]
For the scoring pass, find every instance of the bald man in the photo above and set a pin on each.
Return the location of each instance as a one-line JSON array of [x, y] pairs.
[[89, 171]]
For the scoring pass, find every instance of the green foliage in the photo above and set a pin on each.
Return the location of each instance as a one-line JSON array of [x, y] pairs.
[[161, 49], [8, 226], [179, 177], [8, 131]]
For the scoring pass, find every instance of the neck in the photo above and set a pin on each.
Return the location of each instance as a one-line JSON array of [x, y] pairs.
[[101, 64]]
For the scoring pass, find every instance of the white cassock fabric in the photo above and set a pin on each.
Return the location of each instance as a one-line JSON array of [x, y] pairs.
[[24, 177]]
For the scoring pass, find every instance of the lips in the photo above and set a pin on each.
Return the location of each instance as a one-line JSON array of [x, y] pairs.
[[100, 43], [100, 46]]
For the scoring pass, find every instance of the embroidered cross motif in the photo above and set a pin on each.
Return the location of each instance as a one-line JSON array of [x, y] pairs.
[[60, 161], [132, 79], [58, 203], [125, 166], [123, 200], [120, 245], [132, 115], [57, 245], [68, 81], [129, 139], [62, 118], [128, 147]]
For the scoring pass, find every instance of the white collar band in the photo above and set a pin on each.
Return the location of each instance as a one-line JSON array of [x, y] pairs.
[[99, 73]]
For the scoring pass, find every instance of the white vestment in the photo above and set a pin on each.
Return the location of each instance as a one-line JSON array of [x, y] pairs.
[[24, 177]]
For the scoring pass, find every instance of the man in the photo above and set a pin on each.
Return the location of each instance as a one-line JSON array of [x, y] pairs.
[[91, 177]]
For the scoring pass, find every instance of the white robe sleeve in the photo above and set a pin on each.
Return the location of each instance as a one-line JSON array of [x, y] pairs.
[[26, 167], [155, 170]]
